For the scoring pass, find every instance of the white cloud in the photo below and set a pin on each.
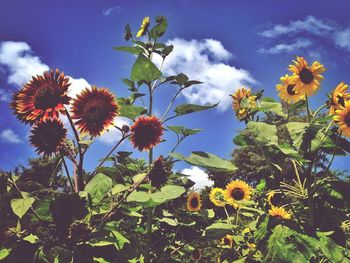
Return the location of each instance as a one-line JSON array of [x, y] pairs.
[[4, 95], [114, 135], [203, 60], [8, 135], [198, 176], [310, 24], [287, 48], [22, 65], [342, 38], [111, 10]]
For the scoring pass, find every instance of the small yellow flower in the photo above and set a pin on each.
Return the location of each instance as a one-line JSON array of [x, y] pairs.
[[144, 27], [342, 118], [194, 202], [279, 212], [243, 102], [237, 191], [227, 241], [338, 97], [245, 230], [251, 246], [287, 91], [274, 198], [217, 196]]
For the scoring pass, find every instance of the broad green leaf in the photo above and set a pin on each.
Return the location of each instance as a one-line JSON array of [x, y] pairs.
[[119, 188], [167, 193], [332, 251], [275, 107], [218, 230], [120, 239], [181, 78], [207, 160], [139, 196], [42, 208], [98, 187], [21, 206], [4, 252], [184, 109], [128, 110], [133, 50], [139, 177], [262, 229], [160, 28], [183, 130], [242, 140], [296, 131], [130, 83], [265, 133], [102, 241], [31, 239], [169, 221], [144, 69]]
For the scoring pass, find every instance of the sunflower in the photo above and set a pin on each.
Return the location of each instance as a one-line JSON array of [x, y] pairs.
[[194, 202], [306, 78], [196, 254], [227, 241], [243, 102], [217, 196], [279, 212], [342, 118], [95, 110], [274, 198], [237, 191], [144, 27], [159, 172], [287, 91], [146, 132], [338, 97], [48, 136], [42, 98]]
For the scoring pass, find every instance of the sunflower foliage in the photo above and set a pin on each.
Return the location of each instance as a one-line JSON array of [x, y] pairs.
[[294, 208]]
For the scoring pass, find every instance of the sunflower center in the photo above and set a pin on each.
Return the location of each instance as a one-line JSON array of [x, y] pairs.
[[194, 202], [46, 97], [227, 241], [237, 194], [340, 100], [306, 76], [276, 199], [290, 89], [94, 111], [347, 119]]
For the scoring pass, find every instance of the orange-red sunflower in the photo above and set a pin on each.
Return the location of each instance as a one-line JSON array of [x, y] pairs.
[[146, 132], [338, 97], [306, 78], [342, 118], [42, 98], [95, 110], [48, 136]]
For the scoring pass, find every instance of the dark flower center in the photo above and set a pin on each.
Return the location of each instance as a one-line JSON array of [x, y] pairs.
[[306, 76], [347, 119], [227, 241], [94, 111], [341, 100], [46, 96], [194, 202], [237, 194], [290, 89]]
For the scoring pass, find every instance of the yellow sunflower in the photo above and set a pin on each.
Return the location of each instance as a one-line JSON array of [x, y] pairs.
[[287, 91], [279, 212], [274, 198], [217, 196], [243, 102], [194, 202], [144, 27], [237, 191], [307, 78], [227, 241], [342, 118], [338, 97]]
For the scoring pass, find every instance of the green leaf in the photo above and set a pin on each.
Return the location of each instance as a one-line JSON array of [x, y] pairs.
[[21, 206], [160, 28], [31, 239], [268, 105], [42, 208], [120, 239], [207, 160], [119, 188], [167, 193], [98, 187], [130, 83], [332, 251], [184, 109], [183, 130], [128, 110], [218, 230], [4, 252], [242, 140], [133, 50], [169, 221], [139, 196], [264, 133], [139, 177], [144, 69], [181, 78]]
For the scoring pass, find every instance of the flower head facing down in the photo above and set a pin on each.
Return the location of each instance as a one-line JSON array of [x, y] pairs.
[[338, 97], [217, 196], [306, 78], [194, 202], [243, 102], [227, 241], [279, 212], [144, 27], [287, 91], [48, 136], [159, 172], [342, 118], [42, 98], [94, 110], [237, 191], [146, 132], [274, 198]]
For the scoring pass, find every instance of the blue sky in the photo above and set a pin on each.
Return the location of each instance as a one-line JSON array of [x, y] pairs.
[[239, 42]]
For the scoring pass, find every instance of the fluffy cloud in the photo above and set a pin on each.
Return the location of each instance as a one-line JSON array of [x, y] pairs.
[[204, 60], [111, 10], [310, 24], [4, 95], [9, 136], [342, 38], [22, 65], [287, 48], [114, 135], [198, 176]]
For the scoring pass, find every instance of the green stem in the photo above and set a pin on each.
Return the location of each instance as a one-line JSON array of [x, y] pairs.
[[310, 198], [67, 171], [171, 104], [228, 217], [318, 110], [309, 113]]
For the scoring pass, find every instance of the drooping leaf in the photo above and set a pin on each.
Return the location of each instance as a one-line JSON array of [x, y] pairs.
[[267, 104], [332, 251], [20, 206], [183, 130], [118, 188], [218, 230], [120, 239], [184, 109], [128, 110], [144, 69], [264, 133], [98, 187], [133, 50]]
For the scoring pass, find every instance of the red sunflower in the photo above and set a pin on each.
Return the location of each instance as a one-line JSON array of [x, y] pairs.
[[95, 110], [42, 98], [146, 132], [48, 136]]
